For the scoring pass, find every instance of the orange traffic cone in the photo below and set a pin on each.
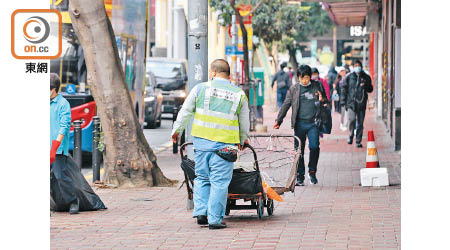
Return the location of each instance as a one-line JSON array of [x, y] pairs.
[[372, 156]]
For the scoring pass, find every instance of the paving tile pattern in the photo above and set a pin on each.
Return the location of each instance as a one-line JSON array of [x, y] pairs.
[[336, 213]]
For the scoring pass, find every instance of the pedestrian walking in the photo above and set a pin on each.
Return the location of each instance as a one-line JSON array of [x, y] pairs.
[[220, 125], [316, 77], [336, 95], [283, 83], [354, 97], [332, 74], [60, 118], [305, 99]]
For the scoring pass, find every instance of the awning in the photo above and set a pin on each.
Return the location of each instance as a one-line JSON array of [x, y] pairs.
[[347, 12]]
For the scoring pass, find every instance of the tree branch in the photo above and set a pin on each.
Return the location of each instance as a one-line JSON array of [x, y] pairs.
[[253, 9]]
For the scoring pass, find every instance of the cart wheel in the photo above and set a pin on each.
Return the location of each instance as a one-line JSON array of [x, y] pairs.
[[260, 208], [269, 207], [227, 209]]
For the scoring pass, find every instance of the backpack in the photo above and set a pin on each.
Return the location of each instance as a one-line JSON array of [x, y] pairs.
[[323, 118]]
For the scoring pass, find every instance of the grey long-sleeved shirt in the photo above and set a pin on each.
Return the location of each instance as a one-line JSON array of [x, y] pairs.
[[188, 109]]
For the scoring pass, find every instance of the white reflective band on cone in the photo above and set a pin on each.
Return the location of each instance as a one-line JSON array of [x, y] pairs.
[[371, 144], [371, 158]]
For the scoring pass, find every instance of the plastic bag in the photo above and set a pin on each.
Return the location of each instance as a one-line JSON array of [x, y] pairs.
[[245, 182], [88, 200]]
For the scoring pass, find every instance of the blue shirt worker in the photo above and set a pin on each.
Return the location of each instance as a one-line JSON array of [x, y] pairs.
[[60, 119], [221, 120]]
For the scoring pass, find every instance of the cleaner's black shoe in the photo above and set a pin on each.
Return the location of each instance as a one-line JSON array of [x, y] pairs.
[[217, 226], [202, 220]]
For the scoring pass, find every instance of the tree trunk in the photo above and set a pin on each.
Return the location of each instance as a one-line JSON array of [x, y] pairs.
[[129, 161], [245, 45], [274, 54], [292, 59]]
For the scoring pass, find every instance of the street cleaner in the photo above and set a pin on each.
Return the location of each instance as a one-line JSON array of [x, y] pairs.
[[220, 127], [305, 99], [60, 119], [69, 190]]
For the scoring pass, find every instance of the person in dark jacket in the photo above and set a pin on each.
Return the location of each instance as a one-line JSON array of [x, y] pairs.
[[332, 74], [283, 83], [354, 97], [305, 99]]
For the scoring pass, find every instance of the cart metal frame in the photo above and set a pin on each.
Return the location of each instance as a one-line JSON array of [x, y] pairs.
[[258, 200]]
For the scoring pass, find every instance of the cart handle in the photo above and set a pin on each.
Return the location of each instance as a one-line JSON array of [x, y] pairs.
[[245, 146], [182, 148]]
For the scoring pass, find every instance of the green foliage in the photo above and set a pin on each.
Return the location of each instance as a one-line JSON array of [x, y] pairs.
[[223, 11], [319, 22], [267, 21], [275, 20], [294, 20], [101, 142]]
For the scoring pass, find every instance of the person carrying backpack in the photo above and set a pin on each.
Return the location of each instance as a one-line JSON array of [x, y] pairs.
[[354, 98], [283, 83]]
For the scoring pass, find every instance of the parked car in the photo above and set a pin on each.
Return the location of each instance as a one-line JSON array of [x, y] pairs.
[[153, 102], [171, 78]]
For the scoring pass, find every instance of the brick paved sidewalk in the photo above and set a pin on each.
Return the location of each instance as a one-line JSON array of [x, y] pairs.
[[335, 214]]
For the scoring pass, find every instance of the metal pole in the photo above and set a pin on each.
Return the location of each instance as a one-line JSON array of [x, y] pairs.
[[234, 42], [77, 143], [334, 47], [252, 85], [364, 54], [96, 154], [170, 33], [197, 50], [174, 118]]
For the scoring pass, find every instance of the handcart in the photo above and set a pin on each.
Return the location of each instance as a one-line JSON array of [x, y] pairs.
[[246, 183]]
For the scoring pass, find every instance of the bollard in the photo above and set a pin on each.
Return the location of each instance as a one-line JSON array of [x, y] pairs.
[[252, 85], [77, 143], [174, 118], [96, 154]]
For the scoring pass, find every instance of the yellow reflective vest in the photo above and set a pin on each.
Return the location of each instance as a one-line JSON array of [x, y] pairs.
[[216, 112]]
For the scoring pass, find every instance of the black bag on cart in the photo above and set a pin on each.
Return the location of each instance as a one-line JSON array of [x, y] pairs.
[[245, 182], [88, 200]]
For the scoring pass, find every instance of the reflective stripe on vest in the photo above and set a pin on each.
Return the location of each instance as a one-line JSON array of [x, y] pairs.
[[216, 125]]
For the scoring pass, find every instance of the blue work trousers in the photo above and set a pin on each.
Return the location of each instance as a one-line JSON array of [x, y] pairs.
[[211, 185]]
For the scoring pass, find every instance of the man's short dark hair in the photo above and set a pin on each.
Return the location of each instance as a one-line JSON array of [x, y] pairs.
[[220, 66], [283, 65], [304, 70], [54, 82], [357, 62], [314, 71]]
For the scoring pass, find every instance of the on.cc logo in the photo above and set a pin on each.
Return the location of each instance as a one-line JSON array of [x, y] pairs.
[[36, 29]]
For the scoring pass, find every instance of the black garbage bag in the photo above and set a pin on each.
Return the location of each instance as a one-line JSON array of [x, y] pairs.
[[245, 182], [88, 200]]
